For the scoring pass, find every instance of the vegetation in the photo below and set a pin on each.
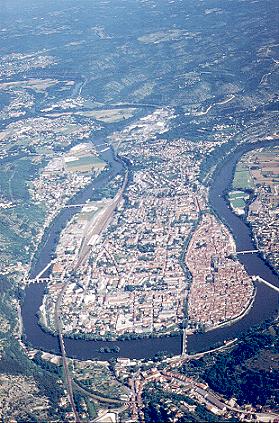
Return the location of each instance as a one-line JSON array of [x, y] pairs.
[[162, 406], [20, 222], [242, 178], [234, 375], [15, 362], [214, 157], [241, 372]]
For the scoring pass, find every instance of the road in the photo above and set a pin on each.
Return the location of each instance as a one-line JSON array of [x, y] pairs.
[[98, 397], [83, 254], [67, 375]]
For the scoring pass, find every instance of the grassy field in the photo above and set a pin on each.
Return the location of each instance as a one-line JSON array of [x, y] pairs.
[[238, 203], [85, 164], [238, 199], [110, 115], [242, 178]]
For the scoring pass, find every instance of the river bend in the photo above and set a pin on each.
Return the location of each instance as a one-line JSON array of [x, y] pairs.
[[264, 307]]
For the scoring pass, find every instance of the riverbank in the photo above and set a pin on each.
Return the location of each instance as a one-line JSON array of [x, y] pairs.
[[244, 217], [265, 303], [239, 317]]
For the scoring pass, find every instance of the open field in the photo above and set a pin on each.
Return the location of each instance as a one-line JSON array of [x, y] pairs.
[[267, 167], [238, 199], [104, 116], [238, 203], [110, 115], [258, 171], [85, 164], [35, 84], [242, 179]]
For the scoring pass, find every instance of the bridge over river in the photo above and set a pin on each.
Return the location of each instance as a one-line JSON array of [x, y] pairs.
[[247, 252], [265, 304], [257, 278]]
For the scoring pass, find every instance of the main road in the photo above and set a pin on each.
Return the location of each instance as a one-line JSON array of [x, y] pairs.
[[67, 375], [84, 252]]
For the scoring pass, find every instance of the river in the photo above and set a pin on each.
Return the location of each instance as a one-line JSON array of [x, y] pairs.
[[265, 304]]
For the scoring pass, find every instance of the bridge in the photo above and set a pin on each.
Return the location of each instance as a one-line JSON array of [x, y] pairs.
[[69, 206], [38, 280], [257, 278], [39, 277], [247, 252], [184, 343]]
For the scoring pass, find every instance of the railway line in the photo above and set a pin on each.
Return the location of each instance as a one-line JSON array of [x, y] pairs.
[[99, 226]]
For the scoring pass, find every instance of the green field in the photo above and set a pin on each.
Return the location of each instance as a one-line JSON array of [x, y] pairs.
[[242, 178], [110, 115], [238, 203], [238, 199], [85, 164]]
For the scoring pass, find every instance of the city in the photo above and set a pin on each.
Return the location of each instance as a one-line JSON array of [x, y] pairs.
[[139, 211]]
